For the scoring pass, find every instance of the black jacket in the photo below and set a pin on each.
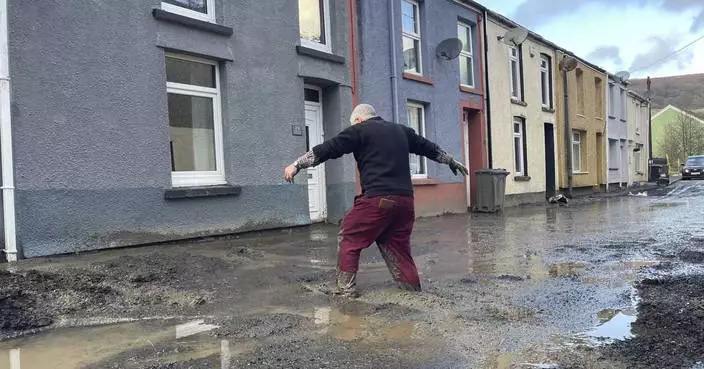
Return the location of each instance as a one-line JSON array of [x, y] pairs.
[[381, 149]]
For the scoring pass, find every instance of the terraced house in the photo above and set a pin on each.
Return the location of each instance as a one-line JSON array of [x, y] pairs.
[[618, 155], [173, 120], [402, 75], [581, 138], [522, 106]]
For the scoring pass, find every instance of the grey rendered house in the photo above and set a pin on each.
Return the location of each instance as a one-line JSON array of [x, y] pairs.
[[173, 119], [402, 75], [617, 133]]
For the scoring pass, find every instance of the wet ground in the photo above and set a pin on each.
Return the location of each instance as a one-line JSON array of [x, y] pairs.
[[614, 283]]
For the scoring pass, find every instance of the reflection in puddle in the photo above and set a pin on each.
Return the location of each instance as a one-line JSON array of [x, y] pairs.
[[617, 327], [346, 324], [569, 269], [153, 342]]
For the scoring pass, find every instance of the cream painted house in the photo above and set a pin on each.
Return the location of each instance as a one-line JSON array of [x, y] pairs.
[[522, 107], [637, 138]]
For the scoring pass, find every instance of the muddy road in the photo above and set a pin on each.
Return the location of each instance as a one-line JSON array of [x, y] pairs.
[[614, 283]]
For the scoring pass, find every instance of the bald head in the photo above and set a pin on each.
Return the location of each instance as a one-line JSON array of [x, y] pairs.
[[361, 113]]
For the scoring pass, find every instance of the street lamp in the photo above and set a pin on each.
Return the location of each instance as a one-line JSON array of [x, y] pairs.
[[568, 64]]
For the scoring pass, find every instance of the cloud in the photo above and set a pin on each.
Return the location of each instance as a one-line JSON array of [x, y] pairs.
[[661, 48], [605, 54], [536, 12]]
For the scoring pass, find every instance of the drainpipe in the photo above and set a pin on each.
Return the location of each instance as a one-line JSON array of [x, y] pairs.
[[568, 134], [394, 70], [487, 94], [8, 180]]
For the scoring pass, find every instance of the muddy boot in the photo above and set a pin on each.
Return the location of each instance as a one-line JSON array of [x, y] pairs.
[[346, 285]]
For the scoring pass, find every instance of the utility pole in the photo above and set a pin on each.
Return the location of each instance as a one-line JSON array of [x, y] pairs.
[[650, 129], [567, 64]]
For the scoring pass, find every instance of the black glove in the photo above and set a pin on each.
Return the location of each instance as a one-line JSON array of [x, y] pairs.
[[457, 167]]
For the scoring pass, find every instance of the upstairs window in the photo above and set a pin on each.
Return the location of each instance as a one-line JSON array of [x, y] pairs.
[[199, 9], [514, 54], [314, 23], [410, 24], [546, 81], [464, 33]]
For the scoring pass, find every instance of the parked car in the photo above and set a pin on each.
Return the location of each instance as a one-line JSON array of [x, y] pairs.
[[694, 167]]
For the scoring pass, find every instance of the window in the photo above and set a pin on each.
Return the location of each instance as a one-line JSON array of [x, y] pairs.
[[636, 158], [580, 91], [410, 13], [623, 103], [314, 23], [612, 100], [577, 151], [193, 92], [598, 98], [464, 33], [416, 120], [198, 9], [516, 73], [546, 81], [519, 147]]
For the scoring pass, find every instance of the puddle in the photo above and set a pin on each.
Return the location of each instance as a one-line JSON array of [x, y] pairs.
[[355, 321], [568, 269], [616, 326], [155, 342]]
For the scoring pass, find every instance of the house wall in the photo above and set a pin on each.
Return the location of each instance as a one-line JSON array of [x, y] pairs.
[[638, 137], [91, 129], [439, 89], [504, 109], [589, 120]]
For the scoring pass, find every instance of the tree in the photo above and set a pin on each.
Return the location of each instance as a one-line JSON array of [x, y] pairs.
[[684, 137]]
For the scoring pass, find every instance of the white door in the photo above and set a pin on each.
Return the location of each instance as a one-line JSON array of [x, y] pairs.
[[316, 176]]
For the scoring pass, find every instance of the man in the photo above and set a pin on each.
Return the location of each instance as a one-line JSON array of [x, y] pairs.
[[384, 212]]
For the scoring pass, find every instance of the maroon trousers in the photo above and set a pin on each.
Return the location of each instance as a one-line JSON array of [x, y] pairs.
[[388, 221]]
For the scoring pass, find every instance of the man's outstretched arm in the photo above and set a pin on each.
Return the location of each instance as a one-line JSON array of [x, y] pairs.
[[419, 145], [344, 143]]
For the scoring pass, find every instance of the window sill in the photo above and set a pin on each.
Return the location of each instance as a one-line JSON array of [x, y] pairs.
[[580, 173], [521, 178], [313, 53], [599, 118], [623, 120], [167, 16], [612, 117], [417, 78], [613, 169], [548, 110], [204, 191], [581, 115], [473, 90], [425, 182], [519, 102], [639, 173]]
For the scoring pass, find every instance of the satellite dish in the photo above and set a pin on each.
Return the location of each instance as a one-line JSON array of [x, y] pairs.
[[514, 37], [568, 63], [623, 76], [449, 49]]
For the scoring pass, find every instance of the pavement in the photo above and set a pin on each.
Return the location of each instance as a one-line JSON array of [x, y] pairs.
[[611, 283]]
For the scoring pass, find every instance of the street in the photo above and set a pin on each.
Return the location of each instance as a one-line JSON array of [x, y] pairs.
[[535, 287]]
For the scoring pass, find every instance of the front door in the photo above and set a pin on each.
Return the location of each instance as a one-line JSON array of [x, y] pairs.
[[317, 202], [549, 160], [474, 151]]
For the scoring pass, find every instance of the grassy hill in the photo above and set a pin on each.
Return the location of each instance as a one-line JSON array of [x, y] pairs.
[[686, 92]]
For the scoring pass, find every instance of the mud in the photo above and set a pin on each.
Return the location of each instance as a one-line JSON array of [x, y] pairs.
[[532, 287]]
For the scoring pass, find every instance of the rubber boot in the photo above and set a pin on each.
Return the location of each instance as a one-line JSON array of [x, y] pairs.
[[346, 285]]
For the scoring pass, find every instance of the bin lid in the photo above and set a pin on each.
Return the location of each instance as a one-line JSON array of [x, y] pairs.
[[498, 171]]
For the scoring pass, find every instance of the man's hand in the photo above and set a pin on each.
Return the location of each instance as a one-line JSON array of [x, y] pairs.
[[290, 172], [457, 167]]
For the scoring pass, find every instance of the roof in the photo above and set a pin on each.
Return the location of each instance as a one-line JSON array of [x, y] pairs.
[[683, 112], [510, 23]]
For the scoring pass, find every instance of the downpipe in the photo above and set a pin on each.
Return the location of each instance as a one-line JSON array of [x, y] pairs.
[[8, 176], [394, 67]]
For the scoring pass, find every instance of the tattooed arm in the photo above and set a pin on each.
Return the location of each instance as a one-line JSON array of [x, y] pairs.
[[344, 143], [421, 146]]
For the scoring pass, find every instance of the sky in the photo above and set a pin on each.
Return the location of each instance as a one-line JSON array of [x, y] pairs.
[[618, 35]]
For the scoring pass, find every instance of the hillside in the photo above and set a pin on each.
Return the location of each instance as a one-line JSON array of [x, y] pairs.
[[686, 92]]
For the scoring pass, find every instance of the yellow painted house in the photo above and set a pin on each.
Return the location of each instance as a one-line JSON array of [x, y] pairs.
[[522, 108], [581, 139]]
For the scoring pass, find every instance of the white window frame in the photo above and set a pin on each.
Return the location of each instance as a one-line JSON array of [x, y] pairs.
[[623, 102], [637, 158], [209, 17], [202, 178], [327, 46], [469, 55], [577, 162], [421, 125], [415, 36], [612, 100], [545, 82], [516, 86], [518, 156]]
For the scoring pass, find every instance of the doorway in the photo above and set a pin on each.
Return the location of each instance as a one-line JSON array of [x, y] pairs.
[[474, 151], [317, 201], [550, 160]]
